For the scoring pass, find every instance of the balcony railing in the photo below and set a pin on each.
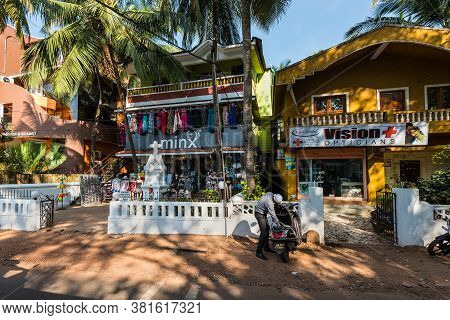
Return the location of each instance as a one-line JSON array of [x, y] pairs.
[[340, 119], [189, 85], [373, 117], [422, 116]]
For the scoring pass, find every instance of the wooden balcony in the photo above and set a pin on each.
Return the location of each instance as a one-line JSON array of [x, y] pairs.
[[182, 86], [421, 116]]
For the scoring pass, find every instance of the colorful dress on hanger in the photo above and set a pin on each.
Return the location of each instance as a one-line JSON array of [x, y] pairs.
[[232, 115], [139, 117], [184, 120], [151, 123], [170, 120], [163, 122], [225, 115], [145, 124], [133, 123]]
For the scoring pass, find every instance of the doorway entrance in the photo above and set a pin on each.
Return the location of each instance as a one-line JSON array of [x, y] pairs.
[[410, 170]]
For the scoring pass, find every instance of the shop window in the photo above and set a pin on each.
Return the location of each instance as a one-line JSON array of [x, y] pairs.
[[438, 97], [393, 100], [409, 171], [338, 177], [329, 104]]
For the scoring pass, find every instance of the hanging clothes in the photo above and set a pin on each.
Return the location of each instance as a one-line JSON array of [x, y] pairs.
[[170, 121], [204, 117], [225, 115], [139, 117], [145, 124], [163, 122], [177, 122], [184, 120], [151, 123], [232, 116], [133, 123], [211, 119], [157, 120], [197, 116]]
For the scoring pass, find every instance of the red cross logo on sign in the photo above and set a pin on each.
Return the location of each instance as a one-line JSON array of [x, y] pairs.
[[390, 132], [298, 142]]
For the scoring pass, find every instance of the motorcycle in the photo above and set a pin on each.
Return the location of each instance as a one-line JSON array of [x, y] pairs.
[[287, 235], [441, 245]]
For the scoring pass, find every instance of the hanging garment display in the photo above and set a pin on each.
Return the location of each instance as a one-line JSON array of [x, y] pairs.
[[184, 120], [157, 120], [139, 117], [232, 115], [177, 122], [170, 120], [145, 124], [225, 115], [211, 119], [122, 134], [115, 184], [133, 123], [164, 122], [151, 123], [204, 117]]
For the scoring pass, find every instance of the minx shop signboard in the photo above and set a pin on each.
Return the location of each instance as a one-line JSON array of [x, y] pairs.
[[371, 135]]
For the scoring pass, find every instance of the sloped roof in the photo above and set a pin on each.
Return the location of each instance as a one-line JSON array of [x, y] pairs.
[[439, 38]]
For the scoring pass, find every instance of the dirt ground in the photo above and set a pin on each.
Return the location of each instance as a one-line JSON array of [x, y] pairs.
[[79, 260]]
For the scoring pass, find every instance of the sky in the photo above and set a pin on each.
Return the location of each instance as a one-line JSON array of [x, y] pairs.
[[308, 27]]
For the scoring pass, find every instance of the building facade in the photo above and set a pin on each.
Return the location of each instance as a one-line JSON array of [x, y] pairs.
[[364, 113], [31, 114], [182, 119]]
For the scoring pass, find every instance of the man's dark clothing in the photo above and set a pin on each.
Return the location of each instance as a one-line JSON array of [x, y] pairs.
[[263, 241]]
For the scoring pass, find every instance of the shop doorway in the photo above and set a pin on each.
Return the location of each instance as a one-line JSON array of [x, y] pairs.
[[410, 170], [339, 178]]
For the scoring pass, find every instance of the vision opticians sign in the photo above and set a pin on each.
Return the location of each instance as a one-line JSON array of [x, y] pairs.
[[371, 135]]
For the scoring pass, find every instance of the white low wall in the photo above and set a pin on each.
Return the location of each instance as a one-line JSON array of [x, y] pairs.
[[23, 191], [311, 212], [236, 218], [415, 219], [19, 214]]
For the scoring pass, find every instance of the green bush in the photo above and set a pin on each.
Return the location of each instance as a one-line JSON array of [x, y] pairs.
[[435, 190]]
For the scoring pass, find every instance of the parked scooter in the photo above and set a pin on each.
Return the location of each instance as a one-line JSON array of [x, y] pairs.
[[441, 245], [287, 236]]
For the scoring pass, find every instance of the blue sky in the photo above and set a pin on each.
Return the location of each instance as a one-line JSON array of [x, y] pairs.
[[309, 26]]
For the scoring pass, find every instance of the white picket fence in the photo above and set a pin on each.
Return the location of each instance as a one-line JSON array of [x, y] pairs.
[[19, 214], [23, 191], [206, 218]]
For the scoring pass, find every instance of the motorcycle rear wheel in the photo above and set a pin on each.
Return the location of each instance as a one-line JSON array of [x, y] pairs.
[[284, 256], [438, 247]]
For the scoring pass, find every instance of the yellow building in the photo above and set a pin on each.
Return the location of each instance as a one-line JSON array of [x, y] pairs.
[[362, 112]]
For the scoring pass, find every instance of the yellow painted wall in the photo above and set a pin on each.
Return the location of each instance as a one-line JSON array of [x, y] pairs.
[[362, 81], [289, 177], [376, 176]]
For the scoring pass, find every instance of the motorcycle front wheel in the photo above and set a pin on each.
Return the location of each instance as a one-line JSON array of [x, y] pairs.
[[439, 247], [285, 255]]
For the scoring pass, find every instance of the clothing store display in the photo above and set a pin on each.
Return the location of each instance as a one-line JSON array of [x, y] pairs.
[[139, 117], [116, 182], [190, 120], [133, 122], [225, 115], [151, 123], [204, 117], [163, 122], [157, 120], [145, 124], [177, 124], [184, 120], [124, 184], [211, 119], [170, 122], [232, 116]]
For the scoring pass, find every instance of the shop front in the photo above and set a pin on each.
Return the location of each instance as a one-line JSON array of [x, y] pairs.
[[340, 159]]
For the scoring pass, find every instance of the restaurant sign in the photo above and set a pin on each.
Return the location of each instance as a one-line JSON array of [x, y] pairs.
[[371, 135]]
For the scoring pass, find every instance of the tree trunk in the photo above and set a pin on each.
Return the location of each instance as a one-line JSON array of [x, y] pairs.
[[217, 118], [98, 112], [248, 114]]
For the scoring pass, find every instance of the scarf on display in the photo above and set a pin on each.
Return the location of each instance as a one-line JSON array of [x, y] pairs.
[[163, 122], [232, 115], [133, 123], [139, 123], [184, 120], [225, 115], [170, 122], [145, 124], [151, 123]]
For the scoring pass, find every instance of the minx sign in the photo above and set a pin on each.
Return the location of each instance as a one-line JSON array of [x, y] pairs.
[[371, 135]]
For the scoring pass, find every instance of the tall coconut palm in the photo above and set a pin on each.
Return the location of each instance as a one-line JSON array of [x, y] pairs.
[[264, 13], [425, 13], [15, 12], [90, 39]]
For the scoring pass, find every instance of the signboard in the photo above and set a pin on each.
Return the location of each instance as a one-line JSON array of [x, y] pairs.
[[125, 196], [291, 164], [19, 134], [193, 139], [370, 135]]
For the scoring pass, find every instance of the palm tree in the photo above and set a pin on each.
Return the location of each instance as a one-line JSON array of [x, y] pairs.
[[283, 64], [264, 13], [425, 13], [220, 20], [94, 38], [15, 12]]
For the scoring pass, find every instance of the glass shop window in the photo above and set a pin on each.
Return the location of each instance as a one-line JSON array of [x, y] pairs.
[[393, 100], [329, 104], [438, 97]]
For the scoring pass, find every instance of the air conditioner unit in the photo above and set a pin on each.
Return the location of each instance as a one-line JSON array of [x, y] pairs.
[[7, 79]]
